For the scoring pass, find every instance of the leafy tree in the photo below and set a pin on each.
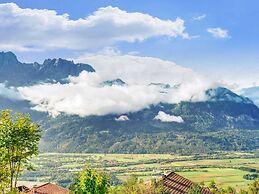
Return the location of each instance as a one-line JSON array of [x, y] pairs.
[[133, 185], [213, 187], [254, 188], [195, 189], [230, 190], [89, 181], [157, 187], [19, 139], [3, 176]]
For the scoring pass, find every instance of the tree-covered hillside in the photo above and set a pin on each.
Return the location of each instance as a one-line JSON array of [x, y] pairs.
[[207, 126]]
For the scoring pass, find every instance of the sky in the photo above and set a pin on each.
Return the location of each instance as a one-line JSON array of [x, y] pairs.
[[218, 39]]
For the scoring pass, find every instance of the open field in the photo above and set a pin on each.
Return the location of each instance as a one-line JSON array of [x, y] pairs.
[[58, 167], [223, 176]]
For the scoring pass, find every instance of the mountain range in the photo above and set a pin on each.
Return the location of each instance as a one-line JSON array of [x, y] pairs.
[[224, 121], [15, 73]]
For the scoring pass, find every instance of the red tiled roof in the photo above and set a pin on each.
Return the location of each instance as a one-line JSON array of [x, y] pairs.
[[49, 188], [176, 184]]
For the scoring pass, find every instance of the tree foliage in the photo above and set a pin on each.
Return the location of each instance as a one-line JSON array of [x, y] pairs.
[[90, 181], [133, 185], [3, 176], [19, 138], [253, 189], [207, 127], [195, 189]]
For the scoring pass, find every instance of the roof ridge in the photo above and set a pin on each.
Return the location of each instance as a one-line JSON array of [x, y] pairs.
[[175, 183], [42, 185]]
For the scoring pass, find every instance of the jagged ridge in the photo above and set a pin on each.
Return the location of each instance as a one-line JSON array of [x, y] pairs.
[[16, 73]]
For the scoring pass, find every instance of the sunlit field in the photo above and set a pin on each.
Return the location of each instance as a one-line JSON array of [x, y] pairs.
[[60, 168]]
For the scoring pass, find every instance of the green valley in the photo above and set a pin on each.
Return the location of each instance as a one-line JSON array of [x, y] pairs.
[[226, 169]]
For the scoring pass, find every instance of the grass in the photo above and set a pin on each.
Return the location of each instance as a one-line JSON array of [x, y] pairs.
[[222, 176], [60, 167]]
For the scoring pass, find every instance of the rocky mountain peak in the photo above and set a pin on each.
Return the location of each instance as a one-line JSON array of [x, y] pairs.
[[224, 94], [16, 73], [118, 82], [8, 58]]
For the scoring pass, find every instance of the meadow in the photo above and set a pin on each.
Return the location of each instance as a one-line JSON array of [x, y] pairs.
[[224, 168]]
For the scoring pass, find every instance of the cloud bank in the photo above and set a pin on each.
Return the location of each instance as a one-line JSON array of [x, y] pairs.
[[137, 69], [9, 93], [163, 117], [86, 95], [41, 29], [252, 93]]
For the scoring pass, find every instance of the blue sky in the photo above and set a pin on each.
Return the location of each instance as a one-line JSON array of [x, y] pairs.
[[232, 57]]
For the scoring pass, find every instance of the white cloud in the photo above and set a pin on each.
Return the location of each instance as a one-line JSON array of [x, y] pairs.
[[137, 69], [10, 93], [163, 117], [200, 17], [41, 29], [85, 95], [218, 32], [122, 118], [145, 70]]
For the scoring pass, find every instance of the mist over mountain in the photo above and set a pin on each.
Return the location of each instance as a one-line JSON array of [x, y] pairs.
[[252, 93], [90, 113]]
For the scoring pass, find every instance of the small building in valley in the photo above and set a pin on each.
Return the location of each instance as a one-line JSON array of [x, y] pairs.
[[176, 184]]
